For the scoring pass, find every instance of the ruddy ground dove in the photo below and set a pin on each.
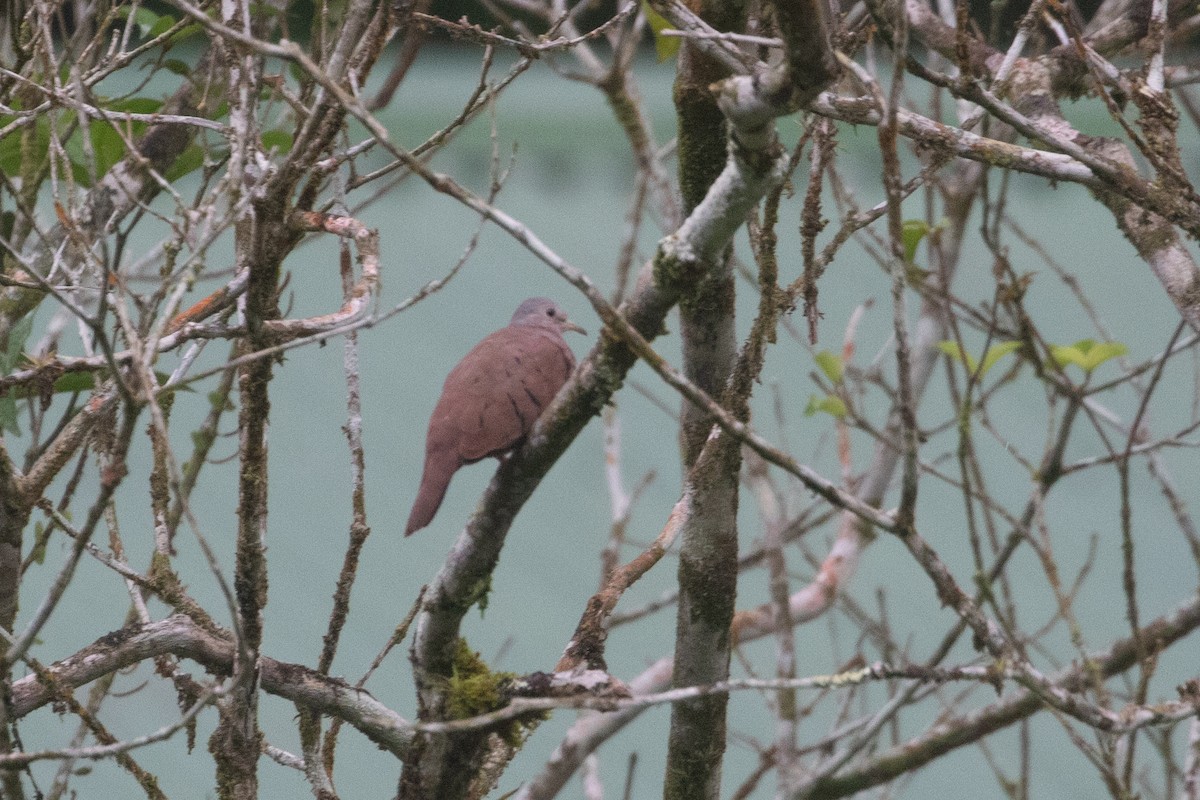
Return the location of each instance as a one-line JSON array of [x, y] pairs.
[[492, 398]]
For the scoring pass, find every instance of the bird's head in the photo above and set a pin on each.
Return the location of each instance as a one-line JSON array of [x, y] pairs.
[[542, 312]]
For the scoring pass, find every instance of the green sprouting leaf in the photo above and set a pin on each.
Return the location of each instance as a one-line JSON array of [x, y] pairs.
[[830, 404], [163, 377], [831, 365], [1104, 351], [37, 553], [912, 231], [994, 354], [278, 140], [915, 276], [220, 402], [665, 46], [952, 349], [974, 365], [1087, 354]]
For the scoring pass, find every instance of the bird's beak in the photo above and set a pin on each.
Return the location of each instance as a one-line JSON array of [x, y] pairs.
[[567, 325]]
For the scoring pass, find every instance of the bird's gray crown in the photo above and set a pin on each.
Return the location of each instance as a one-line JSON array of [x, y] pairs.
[[535, 308]]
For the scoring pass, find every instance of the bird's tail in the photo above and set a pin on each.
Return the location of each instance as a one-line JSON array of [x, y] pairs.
[[439, 469]]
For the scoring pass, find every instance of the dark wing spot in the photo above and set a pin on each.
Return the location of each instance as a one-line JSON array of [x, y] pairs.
[[517, 410], [532, 397]]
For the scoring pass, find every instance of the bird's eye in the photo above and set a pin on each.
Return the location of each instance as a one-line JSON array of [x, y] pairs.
[[549, 312]]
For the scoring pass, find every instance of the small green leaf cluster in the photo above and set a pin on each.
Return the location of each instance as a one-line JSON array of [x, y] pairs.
[[1087, 354], [978, 367], [833, 368], [151, 25], [912, 233], [96, 145]]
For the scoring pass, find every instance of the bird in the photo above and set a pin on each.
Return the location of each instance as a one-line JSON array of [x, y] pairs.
[[492, 398]]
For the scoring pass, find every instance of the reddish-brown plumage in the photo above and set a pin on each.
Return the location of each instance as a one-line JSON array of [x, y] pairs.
[[492, 398]]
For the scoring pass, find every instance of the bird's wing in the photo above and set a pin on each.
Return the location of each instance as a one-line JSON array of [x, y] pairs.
[[501, 387]]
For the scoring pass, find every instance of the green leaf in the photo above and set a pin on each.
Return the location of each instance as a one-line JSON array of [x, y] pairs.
[[915, 276], [831, 365], [1087, 354], [220, 402], [18, 334], [952, 349], [263, 9], [163, 377], [8, 415], [281, 141], [134, 105], [10, 357], [994, 354], [151, 25], [107, 147], [164, 24], [144, 18], [830, 404], [71, 383], [11, 162], [186, 32], [190, 160], [178, 67], [107, 144], [38, 553], [75, 382], [975, 366], [912, 231], [665, 46]]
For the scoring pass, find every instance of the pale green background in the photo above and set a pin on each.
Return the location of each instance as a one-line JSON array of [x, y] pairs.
[[571, 184]]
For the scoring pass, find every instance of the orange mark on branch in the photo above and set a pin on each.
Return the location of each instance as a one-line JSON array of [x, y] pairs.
[[197, 312]]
